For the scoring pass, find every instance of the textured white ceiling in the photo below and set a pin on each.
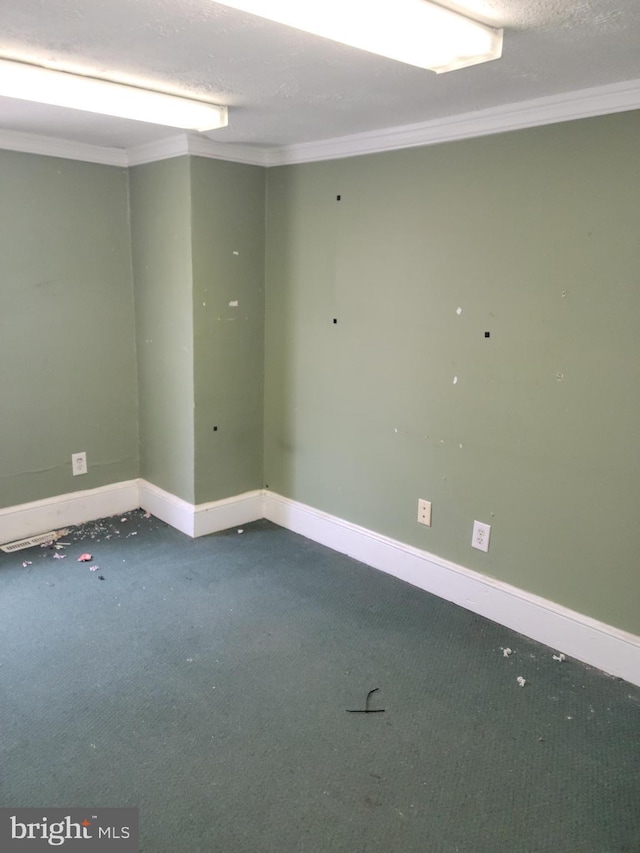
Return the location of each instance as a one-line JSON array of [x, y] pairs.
[[284, 87]]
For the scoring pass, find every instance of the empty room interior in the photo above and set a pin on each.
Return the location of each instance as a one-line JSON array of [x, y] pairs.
[[321, 426]]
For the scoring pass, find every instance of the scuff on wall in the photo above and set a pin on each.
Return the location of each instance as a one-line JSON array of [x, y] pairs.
[[501, 222]]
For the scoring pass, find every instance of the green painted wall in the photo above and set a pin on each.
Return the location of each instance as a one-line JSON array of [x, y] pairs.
[[534, 235], [228, 223], [162, 265], [67, 356]]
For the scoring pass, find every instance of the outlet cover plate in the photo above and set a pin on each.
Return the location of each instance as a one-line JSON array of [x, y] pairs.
[[79, 463], [424, 512], [481, 534]]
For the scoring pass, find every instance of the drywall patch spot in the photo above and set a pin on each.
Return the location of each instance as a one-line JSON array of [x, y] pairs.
[[458, 311], [233, 303], [236, 253], [559, 377], [455, 380]]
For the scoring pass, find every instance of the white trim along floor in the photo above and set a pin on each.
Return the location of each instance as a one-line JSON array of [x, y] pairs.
[[576, 635]]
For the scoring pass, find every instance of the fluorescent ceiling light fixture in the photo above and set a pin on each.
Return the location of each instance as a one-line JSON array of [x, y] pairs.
[[416, 32], [62, 89]]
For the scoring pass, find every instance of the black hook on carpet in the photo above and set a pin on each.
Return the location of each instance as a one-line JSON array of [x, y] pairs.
[[367, 709]]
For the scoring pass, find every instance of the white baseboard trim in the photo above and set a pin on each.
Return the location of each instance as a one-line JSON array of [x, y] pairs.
[[200, 519], [594, 643], [18, 522], [167, 507], [230, 512]]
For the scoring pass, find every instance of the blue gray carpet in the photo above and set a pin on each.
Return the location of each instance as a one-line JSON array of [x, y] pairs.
[[208, 681]]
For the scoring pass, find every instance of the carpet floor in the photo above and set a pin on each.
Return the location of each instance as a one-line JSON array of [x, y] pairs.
[[207, 682]]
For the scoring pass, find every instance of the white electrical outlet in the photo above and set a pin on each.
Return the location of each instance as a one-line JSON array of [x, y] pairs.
[[481, 534], [79, 463], [424, 512]]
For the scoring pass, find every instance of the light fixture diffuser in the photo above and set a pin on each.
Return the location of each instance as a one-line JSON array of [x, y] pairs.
[[416, 32], [62, 89]]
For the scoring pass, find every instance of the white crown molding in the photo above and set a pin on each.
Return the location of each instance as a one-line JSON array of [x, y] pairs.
[[576, 635], [198, 146], [201, 146], [49, 146], [584, 103], [163, 149]]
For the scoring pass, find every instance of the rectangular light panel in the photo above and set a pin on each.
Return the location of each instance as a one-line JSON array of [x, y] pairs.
[[416, 32], [61, 89]]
